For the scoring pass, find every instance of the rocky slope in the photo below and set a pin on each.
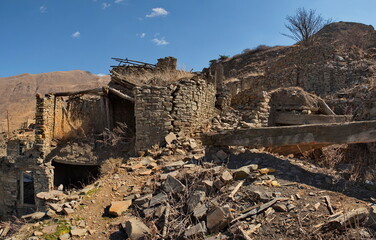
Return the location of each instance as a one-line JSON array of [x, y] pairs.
[[17, 93], [342, 56]]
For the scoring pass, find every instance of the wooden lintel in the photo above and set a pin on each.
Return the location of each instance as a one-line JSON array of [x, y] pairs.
[[120, 94], [287, 118], [95, 91], [312, 134]]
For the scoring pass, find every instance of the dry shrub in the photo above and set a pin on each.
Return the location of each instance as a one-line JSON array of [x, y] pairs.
[[257, 49], [331, 156], [110, 166]]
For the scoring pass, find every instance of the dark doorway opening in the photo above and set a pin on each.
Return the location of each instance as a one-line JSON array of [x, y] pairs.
[[74, 176], [28, 187], [123, 112]]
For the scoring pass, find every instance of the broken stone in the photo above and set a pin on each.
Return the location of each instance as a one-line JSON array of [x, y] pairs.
[[280, 207], [68, 211], [218, 219], [51, 213], [290, 206], [158, 199], [38, 233], [174, 165], [51, 195], [196, 198], [136, 229], [146, 172], [143, 201], [56, 207], [226, 177], [159, 211], [118, 207], [173, 185], [49, 229], [221, 155], [78, 232], [65, 236], [170, 138], [218, 184], [241, 173], [173, 174], [200, 211], [198, 229]]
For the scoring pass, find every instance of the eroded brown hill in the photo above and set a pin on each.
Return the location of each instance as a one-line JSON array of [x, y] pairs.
[[17, 93]]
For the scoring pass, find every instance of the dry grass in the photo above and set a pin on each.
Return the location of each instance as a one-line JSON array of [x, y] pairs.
[[154, 77]]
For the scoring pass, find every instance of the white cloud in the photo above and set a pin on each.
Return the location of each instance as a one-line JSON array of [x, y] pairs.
[[156, 12], [119, 1], [76, 35], [160, 41], [43, 9], [141, 35], [106, 5], [101, 74]]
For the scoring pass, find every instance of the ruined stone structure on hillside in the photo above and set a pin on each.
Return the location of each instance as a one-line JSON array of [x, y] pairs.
[[76, 132]]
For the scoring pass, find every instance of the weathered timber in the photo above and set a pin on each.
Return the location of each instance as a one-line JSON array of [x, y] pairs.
[[120, 94], [313, 134], [325, 108], [286, 118], [95, 91]]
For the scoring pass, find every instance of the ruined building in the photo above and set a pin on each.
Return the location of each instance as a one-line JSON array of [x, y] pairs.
[[75, 132]]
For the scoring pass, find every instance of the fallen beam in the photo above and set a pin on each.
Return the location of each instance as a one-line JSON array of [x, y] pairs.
[[305, 135], [286, 118]]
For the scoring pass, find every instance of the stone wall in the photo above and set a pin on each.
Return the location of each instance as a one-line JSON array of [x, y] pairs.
[[44, 124], [183, 106], [253, 107], [3, 145]]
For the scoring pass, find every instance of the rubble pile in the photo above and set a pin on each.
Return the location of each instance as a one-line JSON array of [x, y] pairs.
[[194, 201]]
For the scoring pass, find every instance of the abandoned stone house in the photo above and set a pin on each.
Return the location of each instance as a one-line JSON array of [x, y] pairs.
[[70, 131]]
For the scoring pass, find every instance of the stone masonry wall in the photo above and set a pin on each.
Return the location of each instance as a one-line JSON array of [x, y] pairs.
[[193, 105], [254, 108], [183, 106], [152, 113], [3, 145]]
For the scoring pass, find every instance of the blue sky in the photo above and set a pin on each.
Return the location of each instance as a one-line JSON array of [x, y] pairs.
[[39, 36]]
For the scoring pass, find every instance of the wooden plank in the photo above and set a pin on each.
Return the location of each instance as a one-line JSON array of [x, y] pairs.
[[95, 91], [313, 134], [286, 118], [120, 94]]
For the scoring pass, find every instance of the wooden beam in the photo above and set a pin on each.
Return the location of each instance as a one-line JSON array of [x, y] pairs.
[[287, 118], [311, 135], [95, 91], [120, 94]]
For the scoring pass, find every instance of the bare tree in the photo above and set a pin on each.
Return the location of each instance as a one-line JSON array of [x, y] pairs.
[[304, 25]]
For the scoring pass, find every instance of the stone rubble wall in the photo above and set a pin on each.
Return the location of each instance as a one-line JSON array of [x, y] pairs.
[[3, 145], [152, 113], [254, 109], [181, 107], [193, 105]]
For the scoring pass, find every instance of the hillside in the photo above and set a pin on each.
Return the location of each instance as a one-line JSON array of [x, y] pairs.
[[343, 56], [17, 93]]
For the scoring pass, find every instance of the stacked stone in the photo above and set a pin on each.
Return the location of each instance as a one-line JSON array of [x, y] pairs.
[[44, 121], [256, 109], [152, 113], [182, 107], [193, 105], [3, 145], [8, 189]]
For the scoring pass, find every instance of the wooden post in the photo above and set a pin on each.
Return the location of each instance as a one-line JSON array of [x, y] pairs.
[[8, 123]]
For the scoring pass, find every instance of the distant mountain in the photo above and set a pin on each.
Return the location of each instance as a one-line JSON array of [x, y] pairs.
[[17, 93]]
